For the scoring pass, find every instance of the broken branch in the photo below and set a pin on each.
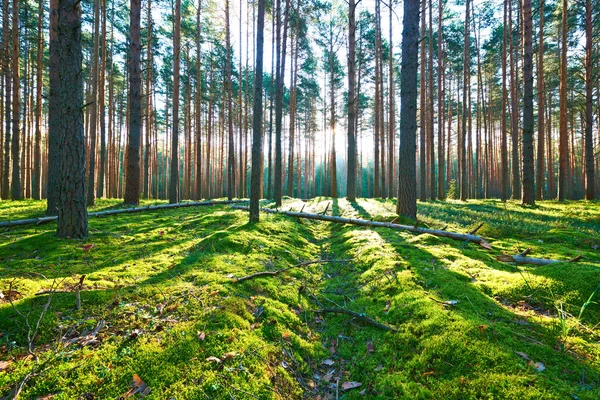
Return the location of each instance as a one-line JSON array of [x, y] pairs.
[[522, 258], [362, 222], [359, 316]]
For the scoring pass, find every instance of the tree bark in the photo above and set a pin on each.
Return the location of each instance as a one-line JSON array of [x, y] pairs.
[[132, 186], [464, 192], [15, 184], [231, 152], [528, 165], [540, 169], [590, 180], [37, 156], [563, 132], [102, 109], [440, 115], [7, 99], [174, 175], [257, 167], [423, 112], [351, 174], [91, 193], [407, 182], [72, 214]]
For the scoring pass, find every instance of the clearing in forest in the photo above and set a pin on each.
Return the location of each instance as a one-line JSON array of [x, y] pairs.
[[161, 315]]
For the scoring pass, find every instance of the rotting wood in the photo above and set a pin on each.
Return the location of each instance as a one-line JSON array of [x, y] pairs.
[[359, 316], [522, 258], [273, 273], [362, 222], [43, 220]]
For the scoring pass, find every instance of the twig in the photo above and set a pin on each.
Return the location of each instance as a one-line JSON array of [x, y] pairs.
[[360, 316], [474, 231]]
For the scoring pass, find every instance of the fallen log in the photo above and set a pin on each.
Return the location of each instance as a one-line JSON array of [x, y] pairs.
[[363, 222], [273, 273], [359, 316], [522, 258], [43, 220]]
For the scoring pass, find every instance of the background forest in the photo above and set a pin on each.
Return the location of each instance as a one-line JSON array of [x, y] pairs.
[[470, 141]]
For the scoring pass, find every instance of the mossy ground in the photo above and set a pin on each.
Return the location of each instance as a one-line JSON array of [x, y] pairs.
[[162, 284]]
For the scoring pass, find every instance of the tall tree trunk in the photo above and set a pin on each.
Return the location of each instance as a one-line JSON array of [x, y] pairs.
[[7, 99], [540, 181], [102, 109], [563, 145], [432, 182], [464, 192], [37, 156], [15, 187], [528, 165], [440, 113], [148, 131], [72, 213], [231, 153], [423, 112], [198, 107], [590, 180], [281, 50], [514, 113], [174, 173], [407, 176], [391, 112], [132, 187], [91, 193], [257, 166], [351, 174], [333, 156]]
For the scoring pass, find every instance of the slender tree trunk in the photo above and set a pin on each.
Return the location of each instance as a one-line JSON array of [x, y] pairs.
[[430, 110], [423, 111], [231, 153], [7, 99], [148, 116], [72, 213], [102, 109], [91, 186], [281, 50], [590, 180], [563, 145], [351, 174], [16, 191], [540, 181], [407, 182], [132, 187], [528, 165], [198, 107], [440, 113], [174, 175], [37, 156], [466, 73], [257, 166], [514, 118], [391, 113]]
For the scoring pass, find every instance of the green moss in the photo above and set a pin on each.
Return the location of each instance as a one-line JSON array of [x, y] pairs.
[[162, 283]]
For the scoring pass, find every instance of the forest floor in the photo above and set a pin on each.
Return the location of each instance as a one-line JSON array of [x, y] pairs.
[[160, 311]]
